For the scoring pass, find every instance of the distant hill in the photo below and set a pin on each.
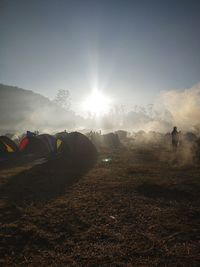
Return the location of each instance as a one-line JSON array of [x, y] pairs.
[[21, 110]]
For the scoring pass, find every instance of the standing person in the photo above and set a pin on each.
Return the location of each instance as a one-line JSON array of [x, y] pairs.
[[175, 138]]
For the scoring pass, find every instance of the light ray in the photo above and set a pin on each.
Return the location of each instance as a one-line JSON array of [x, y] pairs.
[[97, 103]]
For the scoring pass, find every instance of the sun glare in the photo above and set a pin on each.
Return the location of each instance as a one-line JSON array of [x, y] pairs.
[[97, 103]]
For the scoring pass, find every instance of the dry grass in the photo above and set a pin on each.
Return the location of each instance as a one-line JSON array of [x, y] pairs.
[[136, 210]]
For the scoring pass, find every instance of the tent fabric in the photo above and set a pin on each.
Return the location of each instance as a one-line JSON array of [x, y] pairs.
[[42, 145], [58, 143], [24, 142], [61, 134], [49, 140], [122, 134], [8, 148], [111, 140], [7, 145], [62, 144], [79, 146]]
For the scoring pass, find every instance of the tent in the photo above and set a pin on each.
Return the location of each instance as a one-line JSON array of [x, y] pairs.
[[61, 134], [61, 143], [78, 146], [190, 137], [122, 134], [111, 140], [8, 148], [7, 145], [49, 140], [40, 145]]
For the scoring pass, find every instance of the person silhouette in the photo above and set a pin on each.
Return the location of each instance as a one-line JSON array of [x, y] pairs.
[[175, 138]]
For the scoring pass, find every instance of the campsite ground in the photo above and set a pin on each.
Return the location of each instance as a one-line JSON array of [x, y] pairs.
[[139, 209]]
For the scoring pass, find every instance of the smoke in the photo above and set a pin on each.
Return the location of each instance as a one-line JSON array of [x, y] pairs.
[[186, 154], [179, 108], [184, 107], [21, 110]]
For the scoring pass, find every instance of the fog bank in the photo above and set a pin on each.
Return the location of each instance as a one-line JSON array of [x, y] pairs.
[[23, 110]]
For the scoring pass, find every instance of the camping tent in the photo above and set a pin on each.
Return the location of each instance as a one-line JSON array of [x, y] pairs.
[[61, 143], [7, 148], [7, 145], [111, 140], [77, 146], [40, 145], [122, 134], [49, 140]]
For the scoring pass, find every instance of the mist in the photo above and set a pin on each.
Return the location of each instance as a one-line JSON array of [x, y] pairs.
[[184, 107], [170, 108], [23, 110]]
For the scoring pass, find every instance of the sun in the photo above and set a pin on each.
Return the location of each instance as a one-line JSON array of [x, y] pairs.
[[97, 103]]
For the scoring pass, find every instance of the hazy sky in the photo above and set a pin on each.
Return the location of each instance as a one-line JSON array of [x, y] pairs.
[[130, 50]]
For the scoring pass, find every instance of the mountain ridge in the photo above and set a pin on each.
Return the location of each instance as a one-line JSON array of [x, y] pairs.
[[22, 109]]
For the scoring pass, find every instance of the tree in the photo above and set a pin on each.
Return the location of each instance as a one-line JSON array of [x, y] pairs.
[[62, 99]]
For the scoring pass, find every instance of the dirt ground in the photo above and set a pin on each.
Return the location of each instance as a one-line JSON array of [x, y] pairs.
[[135, 210]]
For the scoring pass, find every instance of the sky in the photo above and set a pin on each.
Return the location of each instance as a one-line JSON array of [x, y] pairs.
[[129, 50]]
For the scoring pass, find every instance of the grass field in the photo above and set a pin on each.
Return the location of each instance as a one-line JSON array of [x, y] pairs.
[[139, 209]]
